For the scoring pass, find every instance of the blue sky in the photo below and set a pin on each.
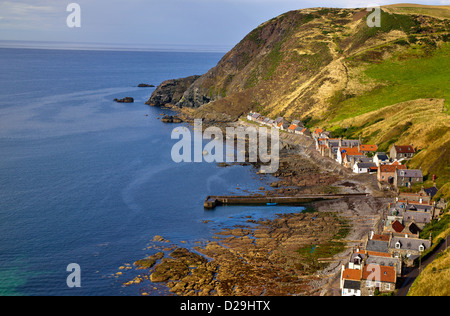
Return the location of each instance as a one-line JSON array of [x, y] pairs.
[[215, 24]]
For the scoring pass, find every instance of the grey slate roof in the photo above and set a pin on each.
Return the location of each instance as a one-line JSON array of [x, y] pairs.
[[431, 191], [410, 173], [352, 285], [419, 217], [366, 165], [382, 156], [377, 245], [410, 243]]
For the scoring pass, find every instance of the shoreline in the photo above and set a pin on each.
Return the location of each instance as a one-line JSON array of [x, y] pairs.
[[253, 254]]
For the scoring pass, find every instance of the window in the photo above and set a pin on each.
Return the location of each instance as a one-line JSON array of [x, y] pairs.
[[388, 286], [368, 283], [398, 245], [421, 248]]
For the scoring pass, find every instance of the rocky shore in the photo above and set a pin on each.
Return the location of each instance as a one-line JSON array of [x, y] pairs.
[[294, 254]]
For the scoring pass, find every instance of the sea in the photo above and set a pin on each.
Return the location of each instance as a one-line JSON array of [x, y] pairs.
[[88, 181]]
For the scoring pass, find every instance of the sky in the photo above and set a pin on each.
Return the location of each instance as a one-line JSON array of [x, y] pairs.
[[215, 25]]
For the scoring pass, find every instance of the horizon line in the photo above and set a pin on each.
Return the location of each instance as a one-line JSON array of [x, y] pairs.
[[53, 45]]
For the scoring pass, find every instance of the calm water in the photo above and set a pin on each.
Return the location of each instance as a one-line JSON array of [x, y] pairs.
[[89, 181]]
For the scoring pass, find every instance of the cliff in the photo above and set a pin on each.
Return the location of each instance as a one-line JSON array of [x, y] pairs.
[[328, 68]]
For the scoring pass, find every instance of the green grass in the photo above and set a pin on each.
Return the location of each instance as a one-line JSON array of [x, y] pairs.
[[311, 253], [402, 80]]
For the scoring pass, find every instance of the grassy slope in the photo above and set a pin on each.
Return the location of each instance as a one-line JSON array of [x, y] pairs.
[[435, 279], [408, 105], [402, 79]]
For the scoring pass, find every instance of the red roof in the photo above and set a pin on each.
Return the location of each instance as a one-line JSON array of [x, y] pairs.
[[391, 168], [369, 147], [318, 131], [405, 149], [349, 151], [379, 274], [398, 227], [381, 237], [293, 127], [379, 254], [351, 274]]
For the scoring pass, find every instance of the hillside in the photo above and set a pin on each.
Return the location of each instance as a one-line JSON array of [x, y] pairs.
[[327, 68]]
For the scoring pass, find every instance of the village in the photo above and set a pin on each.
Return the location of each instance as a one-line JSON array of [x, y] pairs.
[[376, 266]]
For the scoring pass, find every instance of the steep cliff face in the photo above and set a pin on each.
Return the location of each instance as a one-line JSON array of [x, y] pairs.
[[302, 64], [170, 91], [328, 68]]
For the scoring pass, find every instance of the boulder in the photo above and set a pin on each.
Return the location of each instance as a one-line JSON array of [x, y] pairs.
[[125, 100]]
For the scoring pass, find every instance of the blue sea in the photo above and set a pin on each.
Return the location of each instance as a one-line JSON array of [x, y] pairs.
[[90, 181]]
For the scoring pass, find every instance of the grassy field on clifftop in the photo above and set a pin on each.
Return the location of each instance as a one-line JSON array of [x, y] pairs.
[[407, 76]]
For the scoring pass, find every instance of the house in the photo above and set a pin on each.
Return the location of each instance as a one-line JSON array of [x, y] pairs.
[[386, 173], [298, 123], [375, 277], [266, 121], [368, 149], [346, 156], [349, 142], [316, 133], [407, 177], [298, 130], [400, 230], [255, 117], [350, 283], [409, 249], [402, 152], [330, 147], [250, 116], [420, 197], [261, 119], [420, 219], [378, 243], [364, 167], [423, 196], [283, 125], [292, 128], [363, 278], [380, 159]]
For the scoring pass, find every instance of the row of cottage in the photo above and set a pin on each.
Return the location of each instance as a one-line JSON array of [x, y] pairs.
[[280, 123], [353, 154], [365, 158], [376, 266]]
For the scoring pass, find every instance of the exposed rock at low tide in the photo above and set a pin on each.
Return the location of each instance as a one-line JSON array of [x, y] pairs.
[[170, 91], [125, 100], [171, 119]]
